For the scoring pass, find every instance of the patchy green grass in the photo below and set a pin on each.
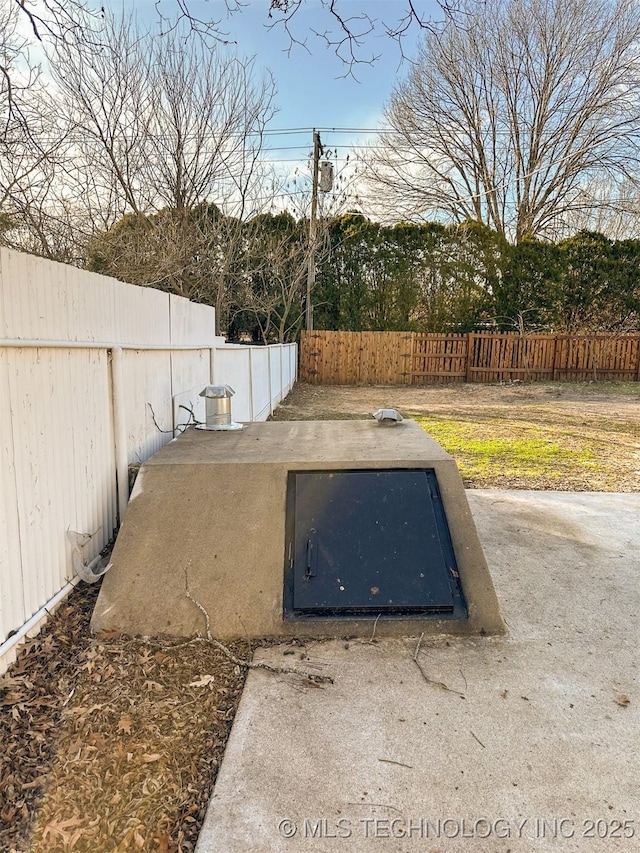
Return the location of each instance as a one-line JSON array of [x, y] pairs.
[[560, 436], [493, 452], [613, 388]]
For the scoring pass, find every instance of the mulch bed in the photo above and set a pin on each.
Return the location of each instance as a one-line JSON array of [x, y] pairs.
[[111, 744]]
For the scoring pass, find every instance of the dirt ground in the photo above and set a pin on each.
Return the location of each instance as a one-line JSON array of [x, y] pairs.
[[592, 399], [111, 745], [601, 420]]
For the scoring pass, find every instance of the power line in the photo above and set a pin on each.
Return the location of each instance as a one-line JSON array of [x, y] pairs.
[[297, 130], [240, 134]]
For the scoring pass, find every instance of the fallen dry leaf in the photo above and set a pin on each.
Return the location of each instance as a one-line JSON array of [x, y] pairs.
[[203, 681], [124, 724], [163, 844], [107, 635], [59, 828]]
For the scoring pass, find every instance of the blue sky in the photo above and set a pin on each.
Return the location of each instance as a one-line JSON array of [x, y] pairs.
[[312, 88]]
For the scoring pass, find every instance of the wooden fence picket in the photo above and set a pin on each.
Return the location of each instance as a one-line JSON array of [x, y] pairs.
[[412, 358]]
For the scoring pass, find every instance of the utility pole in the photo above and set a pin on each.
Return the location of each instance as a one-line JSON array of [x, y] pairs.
[[311, 271]]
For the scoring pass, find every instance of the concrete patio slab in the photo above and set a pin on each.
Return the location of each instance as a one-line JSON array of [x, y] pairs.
[[524, 742]]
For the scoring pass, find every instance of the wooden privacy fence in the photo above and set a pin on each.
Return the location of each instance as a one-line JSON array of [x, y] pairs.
[[410, 358]]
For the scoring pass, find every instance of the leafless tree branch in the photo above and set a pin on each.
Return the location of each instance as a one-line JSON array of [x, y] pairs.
[[509, 116]]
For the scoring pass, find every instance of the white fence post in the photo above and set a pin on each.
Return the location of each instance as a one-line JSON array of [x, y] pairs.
[[120, 431]]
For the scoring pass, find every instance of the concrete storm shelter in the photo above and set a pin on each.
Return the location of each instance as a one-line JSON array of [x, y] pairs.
[[299, 528]]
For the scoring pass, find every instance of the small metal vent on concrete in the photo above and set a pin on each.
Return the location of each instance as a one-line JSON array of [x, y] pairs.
[[218, 408], [368, 542]]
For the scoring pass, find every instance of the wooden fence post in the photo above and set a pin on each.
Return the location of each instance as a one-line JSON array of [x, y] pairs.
[[555, 357], [470, 339], [407, 378]]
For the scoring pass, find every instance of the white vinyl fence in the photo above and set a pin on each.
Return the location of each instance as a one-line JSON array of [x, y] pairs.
[[96, 375]]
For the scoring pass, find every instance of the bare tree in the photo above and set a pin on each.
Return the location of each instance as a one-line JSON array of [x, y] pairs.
[[608, 209], [347, 23], [57, 18], [166, 129], [32, 138], [509, 117], [170, 124], [13, 85]]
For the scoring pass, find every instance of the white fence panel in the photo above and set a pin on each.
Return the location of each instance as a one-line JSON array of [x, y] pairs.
[[232, 366], [75, 342], [191, 323], [87, 307], [289, 368], [293, 368], [261, 377], [12, 611], [260, 383], [148, 402], [188, 408], [47, 301], [141, 314], [62, 460], [275, 374], [191, 370]]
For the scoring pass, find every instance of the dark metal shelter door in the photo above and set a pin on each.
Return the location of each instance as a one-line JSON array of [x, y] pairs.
[[370, 542]]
